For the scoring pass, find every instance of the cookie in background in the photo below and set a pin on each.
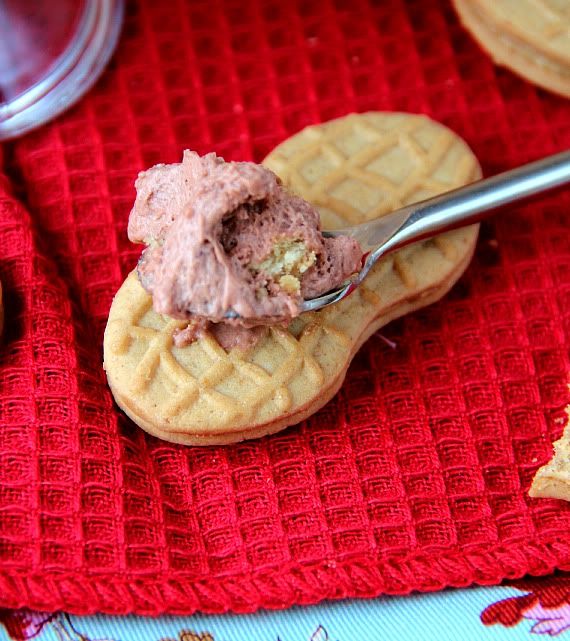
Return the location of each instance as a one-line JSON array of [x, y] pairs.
[[529, 37]]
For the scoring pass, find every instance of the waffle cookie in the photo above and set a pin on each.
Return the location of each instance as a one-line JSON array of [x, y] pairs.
[[353, 169], [530, 37]]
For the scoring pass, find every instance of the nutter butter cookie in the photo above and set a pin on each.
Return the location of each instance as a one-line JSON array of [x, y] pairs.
[[530, 37], [352, 169]]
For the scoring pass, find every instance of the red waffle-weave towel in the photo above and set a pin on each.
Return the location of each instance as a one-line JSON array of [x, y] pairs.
[[415, 476]]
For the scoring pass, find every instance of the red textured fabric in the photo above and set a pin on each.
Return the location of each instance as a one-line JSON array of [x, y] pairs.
[[415, 476]]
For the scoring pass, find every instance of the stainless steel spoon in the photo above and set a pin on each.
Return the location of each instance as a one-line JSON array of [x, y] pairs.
[[453, 209]]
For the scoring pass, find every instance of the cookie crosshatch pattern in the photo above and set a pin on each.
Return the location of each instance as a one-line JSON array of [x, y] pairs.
[[362, 167], [415, 476], [531, 37]]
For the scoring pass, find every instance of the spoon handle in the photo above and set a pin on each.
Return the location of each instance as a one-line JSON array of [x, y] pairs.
[[472, 203]]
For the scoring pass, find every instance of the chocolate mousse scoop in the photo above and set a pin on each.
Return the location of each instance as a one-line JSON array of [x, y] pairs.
[[227, 237]]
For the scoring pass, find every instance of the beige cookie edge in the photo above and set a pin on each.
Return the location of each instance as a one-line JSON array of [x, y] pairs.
[[402, 308], [522, 34], [550, 487], [507, 54], [552, 480]]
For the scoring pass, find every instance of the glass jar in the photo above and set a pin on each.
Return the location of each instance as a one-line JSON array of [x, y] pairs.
[[51, 53]]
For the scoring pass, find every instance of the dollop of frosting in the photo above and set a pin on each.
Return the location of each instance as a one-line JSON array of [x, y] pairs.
[[228, 238]]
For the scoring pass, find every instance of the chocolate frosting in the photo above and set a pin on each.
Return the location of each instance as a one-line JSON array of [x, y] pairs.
[[209, 225]]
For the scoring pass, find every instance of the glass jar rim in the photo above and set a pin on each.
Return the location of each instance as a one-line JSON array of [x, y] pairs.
[[71, 75]]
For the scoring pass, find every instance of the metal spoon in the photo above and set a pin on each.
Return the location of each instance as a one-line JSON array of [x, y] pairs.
[[457, 208]]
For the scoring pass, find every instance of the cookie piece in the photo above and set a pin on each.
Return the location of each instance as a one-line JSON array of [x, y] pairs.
[[353, 169], [530, 37], [552, 481]]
